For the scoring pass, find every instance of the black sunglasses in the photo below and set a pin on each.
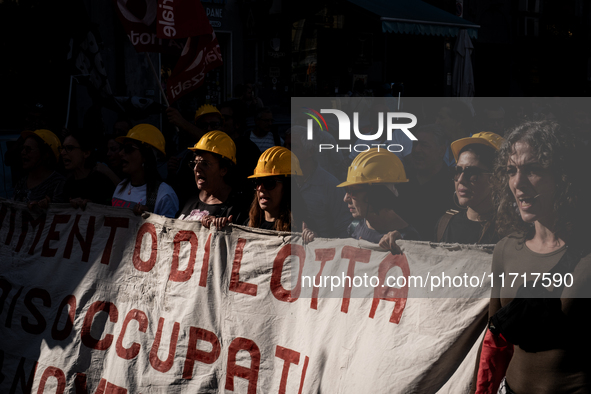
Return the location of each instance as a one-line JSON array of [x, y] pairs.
[[268, 183], [129, 148], [68, 148], [472, 173]]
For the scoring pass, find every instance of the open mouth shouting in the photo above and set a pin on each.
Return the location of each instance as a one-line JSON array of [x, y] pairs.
[[526, 202], [200, 179]]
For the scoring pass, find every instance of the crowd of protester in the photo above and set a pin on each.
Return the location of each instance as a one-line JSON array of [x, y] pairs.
[[443, 191], [468, 179]]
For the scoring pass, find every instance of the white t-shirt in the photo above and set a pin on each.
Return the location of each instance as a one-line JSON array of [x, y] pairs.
[[167, 203]]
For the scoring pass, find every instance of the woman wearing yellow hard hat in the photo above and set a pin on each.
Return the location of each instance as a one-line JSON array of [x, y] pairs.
[[371, 199], [217, 201], [42, 184], [473, 223], [278, 205], [143, 189]]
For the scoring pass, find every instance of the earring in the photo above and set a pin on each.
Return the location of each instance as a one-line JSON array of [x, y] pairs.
[[455, 197]]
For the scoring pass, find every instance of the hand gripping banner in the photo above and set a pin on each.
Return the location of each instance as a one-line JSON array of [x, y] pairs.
[[103, 301]]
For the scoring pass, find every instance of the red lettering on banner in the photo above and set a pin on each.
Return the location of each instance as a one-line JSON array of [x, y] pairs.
[[80, 383], [396, 295], [19, 377], [26, 220], [134, 349], [193, 354], [113, 389], [322, 255], [11, 224], [114, 223], [60, 335], [289, 357], [139, 264], [55, 373], [175, 274], [235, 283], [105, 387], [44, 296], [355, 255], [205, 266], [276, 287], [101, 386], [251, 374], [53, 235], [303, 374], [85, 244], [87, 339], [155, 362]]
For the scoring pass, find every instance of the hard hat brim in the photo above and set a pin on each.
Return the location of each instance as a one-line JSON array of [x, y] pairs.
[[458, 145], [193, 149], [347, 183], [267, 175]]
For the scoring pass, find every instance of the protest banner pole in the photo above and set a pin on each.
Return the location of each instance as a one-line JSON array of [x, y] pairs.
[[157, 79], [72, 77], [159, 86]]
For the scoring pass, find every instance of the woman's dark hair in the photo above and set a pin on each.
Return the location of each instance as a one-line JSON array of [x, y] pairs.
[[560, 152], [224, 163], [87, 144], [47, 156], [292, 210], [485, 154], [153, 178]]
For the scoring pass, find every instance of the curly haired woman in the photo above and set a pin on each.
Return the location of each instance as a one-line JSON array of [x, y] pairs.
[[541, 187]]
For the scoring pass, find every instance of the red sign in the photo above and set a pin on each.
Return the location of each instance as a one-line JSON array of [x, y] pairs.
[[200, 55], [139, 20]]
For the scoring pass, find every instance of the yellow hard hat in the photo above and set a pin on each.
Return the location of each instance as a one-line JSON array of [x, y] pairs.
[[207, 109], [145, 133], [375, 166], [48, 137], [484, 138], [277, 160], [217, 142]]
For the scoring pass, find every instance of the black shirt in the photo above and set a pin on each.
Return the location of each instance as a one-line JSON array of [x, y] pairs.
[[267, 225], [96, 187], [462, 230], [236, 205]]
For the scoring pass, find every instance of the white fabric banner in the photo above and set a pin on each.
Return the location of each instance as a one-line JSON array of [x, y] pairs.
[[103, 301]]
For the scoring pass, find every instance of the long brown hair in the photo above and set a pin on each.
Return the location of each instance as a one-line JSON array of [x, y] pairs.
[[285, 219]]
